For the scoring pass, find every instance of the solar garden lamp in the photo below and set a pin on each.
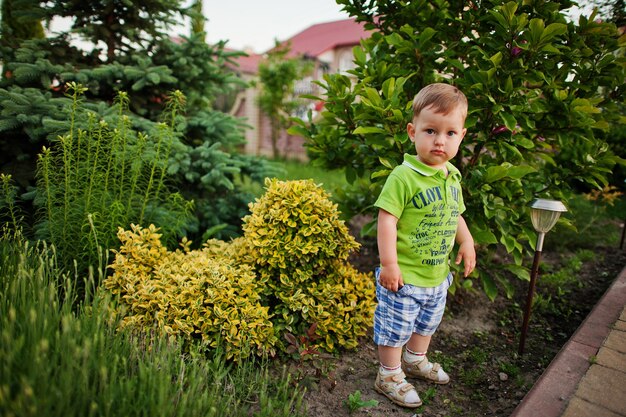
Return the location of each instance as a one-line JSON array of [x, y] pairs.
[[544, 215]]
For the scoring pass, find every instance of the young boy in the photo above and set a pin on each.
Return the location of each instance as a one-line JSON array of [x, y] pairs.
[[419, 218]]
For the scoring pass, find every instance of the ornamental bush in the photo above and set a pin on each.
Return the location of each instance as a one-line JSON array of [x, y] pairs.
[[192, 294], [299, 248], [287, 274], [295, 227], [543, 93]]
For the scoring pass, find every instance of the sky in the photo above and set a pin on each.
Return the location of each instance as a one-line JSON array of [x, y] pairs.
[[255, 24], [251, 25]]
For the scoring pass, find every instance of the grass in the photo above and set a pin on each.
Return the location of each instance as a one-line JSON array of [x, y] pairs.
[[297, 170], [597, 217], [287, 169], [59, 358]]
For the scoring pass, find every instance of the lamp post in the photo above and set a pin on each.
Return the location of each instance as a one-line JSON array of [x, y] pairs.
[[544, 215], [621, 242]]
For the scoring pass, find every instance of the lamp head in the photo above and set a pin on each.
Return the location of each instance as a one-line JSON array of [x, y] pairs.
[[545, 213]]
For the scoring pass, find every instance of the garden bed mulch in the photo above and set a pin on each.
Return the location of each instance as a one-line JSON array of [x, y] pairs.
[[477, 343]]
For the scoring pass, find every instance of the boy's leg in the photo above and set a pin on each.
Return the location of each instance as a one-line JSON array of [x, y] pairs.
[[391, 381], [419, 343], [414, 360], [389, 356]]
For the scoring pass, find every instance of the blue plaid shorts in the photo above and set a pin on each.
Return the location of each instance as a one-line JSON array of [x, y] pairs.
[[409, 310]]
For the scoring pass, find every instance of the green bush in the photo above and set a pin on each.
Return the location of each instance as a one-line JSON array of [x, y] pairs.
[[92, 180], [191, 294], [287, 274], [140, 56], [543, 93], [299, 248], [57, 359], [295, 227]]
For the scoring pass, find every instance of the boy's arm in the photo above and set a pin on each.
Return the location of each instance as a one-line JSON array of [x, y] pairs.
[[390, 276], [466, 252]]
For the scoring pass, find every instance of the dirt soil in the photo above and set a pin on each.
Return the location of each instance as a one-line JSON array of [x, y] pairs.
[[477, 343]]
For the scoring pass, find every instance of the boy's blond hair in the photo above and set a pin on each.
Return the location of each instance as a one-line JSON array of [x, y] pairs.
[[442, 97]]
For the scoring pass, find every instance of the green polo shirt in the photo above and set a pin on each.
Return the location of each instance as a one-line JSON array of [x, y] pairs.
[[428, 205]]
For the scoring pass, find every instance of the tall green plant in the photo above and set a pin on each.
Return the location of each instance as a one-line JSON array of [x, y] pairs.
[[278, 75], [9, 211], [542, 91], [59, 359], [92, 181], [134, 52]]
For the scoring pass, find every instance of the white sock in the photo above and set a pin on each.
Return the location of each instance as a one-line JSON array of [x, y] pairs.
[[386, 371], [413, 357]]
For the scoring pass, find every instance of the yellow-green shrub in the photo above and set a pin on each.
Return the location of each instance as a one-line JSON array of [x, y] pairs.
[[288, 272], [343, 308], [195, 294], [295, 226], [299, 247]]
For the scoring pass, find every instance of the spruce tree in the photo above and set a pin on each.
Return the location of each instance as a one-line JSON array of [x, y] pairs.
[[133, 52]]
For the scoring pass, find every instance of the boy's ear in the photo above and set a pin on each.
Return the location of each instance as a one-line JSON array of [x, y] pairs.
[[464, 132], [410, 130]]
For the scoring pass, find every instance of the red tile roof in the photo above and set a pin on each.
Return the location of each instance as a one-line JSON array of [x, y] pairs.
[[248, 64], [313, 41], [319, 38]]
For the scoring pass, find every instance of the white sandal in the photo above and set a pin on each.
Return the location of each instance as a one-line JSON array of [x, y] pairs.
[[424, 369], [397, 389]]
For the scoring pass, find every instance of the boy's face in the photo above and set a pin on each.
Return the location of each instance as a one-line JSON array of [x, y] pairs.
[[437, 136]]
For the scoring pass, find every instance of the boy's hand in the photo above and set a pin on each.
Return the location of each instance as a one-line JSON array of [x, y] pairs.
[[467, 254], [390, 277]]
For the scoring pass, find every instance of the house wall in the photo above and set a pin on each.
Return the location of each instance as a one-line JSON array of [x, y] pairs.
[[258, 136]]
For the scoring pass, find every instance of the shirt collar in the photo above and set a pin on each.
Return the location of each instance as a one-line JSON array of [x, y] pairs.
[[412, 162]]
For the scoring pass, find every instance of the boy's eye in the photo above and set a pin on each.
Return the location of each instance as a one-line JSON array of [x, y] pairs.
[[451, 133], [430, 131]]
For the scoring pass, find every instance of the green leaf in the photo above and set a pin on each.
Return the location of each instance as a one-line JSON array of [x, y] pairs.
[[509, 120], [550, 48], [536, 29], [153, 77], [508, 85], [508, 242], [394, 39], [496, 59], [602, 124], [484, 236], [386, 162], [426, 34], [489, 286], [509, 289], [519, 271], [520, 171], [502, 21], [373, 96], [388, 87], [512, 149], [508, 10], [553, 29], [366, 130], [495, 173], [310, 97], [380, 173], [359, 55], [525, 143]]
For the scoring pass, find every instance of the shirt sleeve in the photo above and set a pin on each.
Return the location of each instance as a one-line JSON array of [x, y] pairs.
[[393, 196]]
